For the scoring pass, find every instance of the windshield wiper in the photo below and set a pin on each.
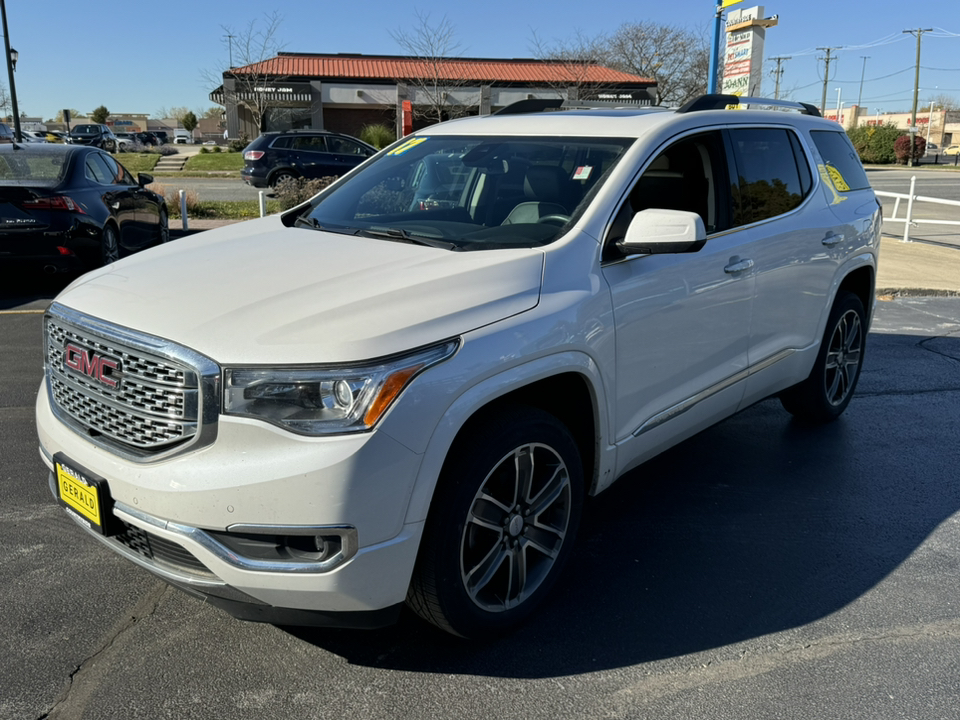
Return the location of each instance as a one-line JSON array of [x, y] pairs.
[[310, 222], [314, 224], [401, 235]]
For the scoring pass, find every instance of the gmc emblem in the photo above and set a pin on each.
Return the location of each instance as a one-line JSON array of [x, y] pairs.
[[87, 362]]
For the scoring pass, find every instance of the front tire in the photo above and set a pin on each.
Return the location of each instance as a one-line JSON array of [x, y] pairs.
[[825, 394], [502, 524]]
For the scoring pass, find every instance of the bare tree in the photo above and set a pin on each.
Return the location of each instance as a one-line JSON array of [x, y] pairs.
[[945, 102], [435, 75], [177, 113], [677, 59], [577, 57], [249, 83]]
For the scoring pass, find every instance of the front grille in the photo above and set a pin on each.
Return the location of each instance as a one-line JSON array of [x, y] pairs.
[[146, 398], [161, 551]]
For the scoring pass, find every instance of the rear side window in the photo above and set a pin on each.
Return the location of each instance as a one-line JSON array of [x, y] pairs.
[[310, 143], [843, 165], [772, 174]]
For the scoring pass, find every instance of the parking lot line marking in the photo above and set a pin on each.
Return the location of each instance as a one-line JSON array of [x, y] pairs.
[[22, 312]]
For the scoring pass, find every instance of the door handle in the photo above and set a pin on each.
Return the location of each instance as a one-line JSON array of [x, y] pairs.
[[831, 240], [738, 266]]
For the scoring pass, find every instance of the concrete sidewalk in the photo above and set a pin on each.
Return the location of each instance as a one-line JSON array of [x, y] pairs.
[[913, 268], [916, 268]]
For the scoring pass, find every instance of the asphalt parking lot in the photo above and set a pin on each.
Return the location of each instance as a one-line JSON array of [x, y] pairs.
[[762, 569]]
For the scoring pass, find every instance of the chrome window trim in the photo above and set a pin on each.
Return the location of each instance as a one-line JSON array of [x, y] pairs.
[[207, 374]]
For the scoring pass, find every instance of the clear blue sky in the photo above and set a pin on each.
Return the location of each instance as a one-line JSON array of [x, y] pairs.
[[135, 60]]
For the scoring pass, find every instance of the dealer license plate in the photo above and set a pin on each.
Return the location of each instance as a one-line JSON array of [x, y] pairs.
[[83, 494]]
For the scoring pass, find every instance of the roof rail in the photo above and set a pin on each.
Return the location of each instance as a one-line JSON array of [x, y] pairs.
[[536, 105], [721, 102], [530, 105]]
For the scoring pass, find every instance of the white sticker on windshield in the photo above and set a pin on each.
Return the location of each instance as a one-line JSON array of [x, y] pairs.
[[583, 172]]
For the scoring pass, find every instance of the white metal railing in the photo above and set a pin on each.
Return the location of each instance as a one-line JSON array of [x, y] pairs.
[[911, 197]]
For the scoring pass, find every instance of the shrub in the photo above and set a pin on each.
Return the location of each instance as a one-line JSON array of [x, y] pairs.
[[902, 148], [238, 144], [875, 143], [162, 150], [217, 148], [378, 135], [172, 196], [293, 191], [204, 151]]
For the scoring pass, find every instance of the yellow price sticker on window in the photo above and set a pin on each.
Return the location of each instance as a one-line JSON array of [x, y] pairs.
[[412, 143], [837, 179]]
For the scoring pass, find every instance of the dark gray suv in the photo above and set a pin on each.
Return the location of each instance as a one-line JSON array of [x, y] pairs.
[[97, 135], [275, 156]]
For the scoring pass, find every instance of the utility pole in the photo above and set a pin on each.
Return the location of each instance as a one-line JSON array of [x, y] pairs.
[[777, 74], [916, 91], [230, 43], [826, 79], [714, 65], [863, 72], [17, 134]]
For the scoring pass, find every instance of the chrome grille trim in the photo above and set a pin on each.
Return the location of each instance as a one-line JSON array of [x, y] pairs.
[[167, 397]]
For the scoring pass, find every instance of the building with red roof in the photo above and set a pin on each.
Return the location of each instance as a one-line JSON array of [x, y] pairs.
[[344, 92]]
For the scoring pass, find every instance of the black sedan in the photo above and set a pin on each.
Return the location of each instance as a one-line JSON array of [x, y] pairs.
[[66, 207]]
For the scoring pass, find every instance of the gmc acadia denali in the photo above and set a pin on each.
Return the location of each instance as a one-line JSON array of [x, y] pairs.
[[403, 390]]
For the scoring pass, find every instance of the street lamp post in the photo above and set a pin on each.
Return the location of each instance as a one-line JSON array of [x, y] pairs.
[[12, 56], [930, 120], [838, 108]]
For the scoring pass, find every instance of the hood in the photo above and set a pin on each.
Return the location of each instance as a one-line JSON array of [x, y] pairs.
[[259, 292]]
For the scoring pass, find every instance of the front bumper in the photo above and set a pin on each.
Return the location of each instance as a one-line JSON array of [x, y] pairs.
[[256, 476]]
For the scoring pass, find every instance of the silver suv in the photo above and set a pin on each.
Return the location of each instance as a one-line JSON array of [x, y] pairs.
[[403, 390]]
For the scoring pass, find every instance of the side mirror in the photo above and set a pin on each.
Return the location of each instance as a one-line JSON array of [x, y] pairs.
[[144, 179], [663, 232]]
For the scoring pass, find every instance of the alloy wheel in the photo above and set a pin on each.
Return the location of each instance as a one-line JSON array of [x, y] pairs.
[[843, 357], [515, 527]]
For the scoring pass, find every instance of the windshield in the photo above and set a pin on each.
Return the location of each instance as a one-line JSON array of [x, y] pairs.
[[470, 193], [34, 167]]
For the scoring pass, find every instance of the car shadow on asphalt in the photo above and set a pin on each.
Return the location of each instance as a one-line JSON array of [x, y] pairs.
[[25, 287], [757, 525]]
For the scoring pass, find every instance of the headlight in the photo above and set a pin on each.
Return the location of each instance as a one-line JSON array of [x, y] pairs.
[[325, 400]]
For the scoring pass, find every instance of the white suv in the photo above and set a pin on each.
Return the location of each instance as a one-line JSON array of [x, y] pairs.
[[403, 390]]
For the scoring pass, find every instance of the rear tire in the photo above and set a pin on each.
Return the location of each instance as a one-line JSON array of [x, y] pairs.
[[163, 229], [825, 394], [109, 245], [502, 524], [281, 177]]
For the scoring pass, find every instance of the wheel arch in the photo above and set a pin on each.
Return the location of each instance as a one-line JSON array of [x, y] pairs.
[[861, 281], [568, 388], [282, 170]]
